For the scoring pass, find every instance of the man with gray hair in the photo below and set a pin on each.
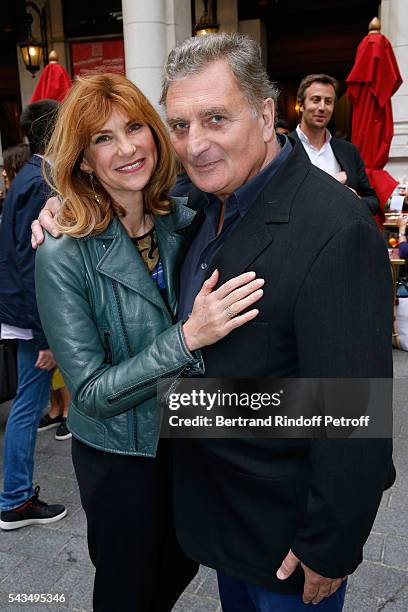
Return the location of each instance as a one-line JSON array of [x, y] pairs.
[[276, 518], [283, 521]]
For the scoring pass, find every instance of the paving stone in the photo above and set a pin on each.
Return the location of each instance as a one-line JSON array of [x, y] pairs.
[[33, 577], [374, 547], [60, 465], [46, 443], [391, 521], [359, 601], [75, 523], [41, 543], [57, 489], [5, 606], [401, 448], [396, 552], [398, 603], [385, 499], [54, 606], [76, 552], [209, 586], [398, 499], [10, 539], [400, 359], [198, 580], [403, 429], [8, 562], [77, 586], [379, 580], [193, 603]]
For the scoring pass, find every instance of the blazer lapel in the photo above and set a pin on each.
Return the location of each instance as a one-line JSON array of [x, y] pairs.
[[338, 154], [256, 230], [248, 239]]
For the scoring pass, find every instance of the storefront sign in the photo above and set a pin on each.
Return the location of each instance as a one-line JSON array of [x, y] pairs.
[[98, 56]]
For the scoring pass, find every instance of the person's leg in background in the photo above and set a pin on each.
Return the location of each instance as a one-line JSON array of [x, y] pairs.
[[58, 412], [20, 436], [240, 596]]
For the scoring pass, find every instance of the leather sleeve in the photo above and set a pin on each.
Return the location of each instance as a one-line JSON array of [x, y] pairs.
[[98, 388], [343, 328]]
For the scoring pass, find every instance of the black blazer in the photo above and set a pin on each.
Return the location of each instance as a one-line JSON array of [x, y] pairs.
[[351, 162], [240, 505]]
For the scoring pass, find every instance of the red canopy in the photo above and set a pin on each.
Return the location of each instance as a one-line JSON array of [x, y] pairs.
[[53, 83], [374, 78]]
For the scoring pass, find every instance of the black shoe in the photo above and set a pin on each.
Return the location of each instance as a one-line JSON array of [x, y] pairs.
[[48, 422], [63, 432], [32, 512]]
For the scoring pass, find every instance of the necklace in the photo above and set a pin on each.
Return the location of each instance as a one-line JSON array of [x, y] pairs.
[[145, 228]]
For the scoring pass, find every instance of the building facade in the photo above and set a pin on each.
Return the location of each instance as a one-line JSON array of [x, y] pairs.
[[148, 29]]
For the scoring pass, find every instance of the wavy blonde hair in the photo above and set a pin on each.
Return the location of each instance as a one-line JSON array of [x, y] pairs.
[[86, 108]]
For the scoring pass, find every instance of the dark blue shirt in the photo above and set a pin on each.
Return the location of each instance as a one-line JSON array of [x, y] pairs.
[[206, 243]]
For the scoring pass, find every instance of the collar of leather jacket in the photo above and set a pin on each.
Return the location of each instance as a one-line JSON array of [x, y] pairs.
[[117, 253], [180, 217]]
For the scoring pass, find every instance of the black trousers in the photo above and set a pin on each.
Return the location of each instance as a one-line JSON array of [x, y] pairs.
[[131, 539]]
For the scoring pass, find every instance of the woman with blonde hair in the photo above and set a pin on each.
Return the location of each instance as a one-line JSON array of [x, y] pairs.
[[107, 299]]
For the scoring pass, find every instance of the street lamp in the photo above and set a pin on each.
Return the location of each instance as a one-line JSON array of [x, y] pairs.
[[207, 24], [32, 50]]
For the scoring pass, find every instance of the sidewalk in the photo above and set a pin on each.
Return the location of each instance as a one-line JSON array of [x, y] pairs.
[[55, 560]]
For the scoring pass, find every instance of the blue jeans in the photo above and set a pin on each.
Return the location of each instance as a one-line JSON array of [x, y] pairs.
[[32, 397], [240, 596]]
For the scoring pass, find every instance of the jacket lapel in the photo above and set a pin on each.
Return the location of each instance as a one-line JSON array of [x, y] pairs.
[[256, 230], [121, 263], [170, 237], [338, 154], [251, 236]]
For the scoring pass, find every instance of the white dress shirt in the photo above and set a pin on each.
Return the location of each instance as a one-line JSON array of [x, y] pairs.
[[322, 158]]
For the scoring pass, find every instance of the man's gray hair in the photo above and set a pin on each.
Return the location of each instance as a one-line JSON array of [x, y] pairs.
[[242, 54]]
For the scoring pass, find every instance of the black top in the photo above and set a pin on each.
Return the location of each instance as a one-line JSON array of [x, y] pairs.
[[148, 248]]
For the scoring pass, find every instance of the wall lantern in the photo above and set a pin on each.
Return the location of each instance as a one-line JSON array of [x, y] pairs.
[[32, 50], [207, 23]]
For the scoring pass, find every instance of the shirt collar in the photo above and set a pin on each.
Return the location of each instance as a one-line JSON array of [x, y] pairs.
[[303, 138], [245, 195]]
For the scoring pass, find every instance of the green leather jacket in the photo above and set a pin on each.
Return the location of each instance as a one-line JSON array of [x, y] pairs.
[[111, 332]]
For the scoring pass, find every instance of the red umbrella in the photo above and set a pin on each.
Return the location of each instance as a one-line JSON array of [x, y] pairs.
[[53, 83], [374, 78]]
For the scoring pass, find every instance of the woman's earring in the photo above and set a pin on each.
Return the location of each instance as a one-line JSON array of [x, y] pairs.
[[93, 188]]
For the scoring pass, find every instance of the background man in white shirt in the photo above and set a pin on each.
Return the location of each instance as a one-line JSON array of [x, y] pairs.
[[316, 98]]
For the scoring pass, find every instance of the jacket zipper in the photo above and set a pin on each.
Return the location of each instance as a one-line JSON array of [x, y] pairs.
[[148, 383], [128, 350], [122, 323], [139, 387], [107, 348]]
